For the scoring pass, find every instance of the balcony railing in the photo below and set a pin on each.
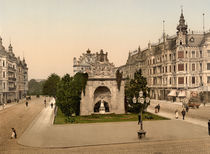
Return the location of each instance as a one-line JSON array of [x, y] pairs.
[[12, 88], [11, 68], [11, 78]]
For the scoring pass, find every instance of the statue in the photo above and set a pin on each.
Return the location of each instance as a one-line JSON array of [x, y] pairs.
[[102, 108]]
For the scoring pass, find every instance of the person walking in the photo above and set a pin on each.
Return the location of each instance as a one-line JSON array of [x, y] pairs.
[[14, 134], [26, 103], [3, 106], [176, 114], [183, 113], [187, 108], [158, 107]]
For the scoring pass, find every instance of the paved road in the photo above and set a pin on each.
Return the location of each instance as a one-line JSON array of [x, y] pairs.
[[18, 116], [170, 136]]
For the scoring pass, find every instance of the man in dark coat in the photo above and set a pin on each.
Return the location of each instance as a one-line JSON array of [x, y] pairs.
[[183, 113]]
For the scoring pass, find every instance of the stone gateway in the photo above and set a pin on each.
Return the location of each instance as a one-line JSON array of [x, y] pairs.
[[104, 92]]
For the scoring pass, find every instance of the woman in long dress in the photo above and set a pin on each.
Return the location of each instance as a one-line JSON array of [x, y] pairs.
[[176, 114]]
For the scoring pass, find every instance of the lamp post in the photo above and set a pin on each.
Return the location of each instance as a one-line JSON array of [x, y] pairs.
[[141, 100]]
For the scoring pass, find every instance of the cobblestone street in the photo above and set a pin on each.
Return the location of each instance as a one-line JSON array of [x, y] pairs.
[[183, 138]]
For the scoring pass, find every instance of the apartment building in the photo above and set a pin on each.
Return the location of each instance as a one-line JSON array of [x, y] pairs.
[[13, 75], [176, 65]]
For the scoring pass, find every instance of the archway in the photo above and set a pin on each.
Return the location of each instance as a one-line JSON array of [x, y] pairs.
[[102, 92]]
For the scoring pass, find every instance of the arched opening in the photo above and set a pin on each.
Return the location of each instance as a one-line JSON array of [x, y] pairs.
[[102, 94]]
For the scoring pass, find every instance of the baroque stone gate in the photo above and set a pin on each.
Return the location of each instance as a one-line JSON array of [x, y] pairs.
[[105, 84]]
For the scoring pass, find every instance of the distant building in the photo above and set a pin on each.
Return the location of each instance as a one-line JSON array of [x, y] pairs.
[[13, 75], [174, 66]]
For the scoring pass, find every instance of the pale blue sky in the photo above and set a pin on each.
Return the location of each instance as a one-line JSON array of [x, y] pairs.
[[51, 32]]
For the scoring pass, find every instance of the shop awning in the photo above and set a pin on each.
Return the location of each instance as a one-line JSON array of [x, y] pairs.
[[172, 93], [182, 94]]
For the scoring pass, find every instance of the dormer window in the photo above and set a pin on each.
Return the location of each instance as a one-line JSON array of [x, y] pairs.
[[192, 39]]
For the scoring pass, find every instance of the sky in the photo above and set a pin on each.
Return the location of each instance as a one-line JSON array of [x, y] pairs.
[[49, 33]]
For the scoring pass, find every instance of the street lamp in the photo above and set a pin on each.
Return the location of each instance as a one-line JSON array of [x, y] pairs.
[[141, 100]]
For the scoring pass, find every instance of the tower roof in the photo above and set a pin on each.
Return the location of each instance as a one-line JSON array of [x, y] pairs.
[[182, 26]]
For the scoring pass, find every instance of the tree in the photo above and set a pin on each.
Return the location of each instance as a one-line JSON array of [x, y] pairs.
[[69, 93], [132, 88], [50, 85], [35, 87]]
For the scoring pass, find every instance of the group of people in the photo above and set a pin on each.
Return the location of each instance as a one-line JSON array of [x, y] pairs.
[[45, 103], [183, 112]]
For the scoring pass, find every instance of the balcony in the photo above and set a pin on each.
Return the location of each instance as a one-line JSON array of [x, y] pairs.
[[11, 79], [11, 69], [12, 88]]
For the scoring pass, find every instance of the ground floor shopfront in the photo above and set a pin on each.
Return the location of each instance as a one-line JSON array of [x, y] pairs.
[[178, 94], [7, 97]]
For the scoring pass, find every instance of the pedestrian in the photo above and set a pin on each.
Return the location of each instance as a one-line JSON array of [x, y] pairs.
[[187, 108], [158, 107], [26, 103], [3, 106], [176, 114], [14, 134], [183, 113], [51, 105]]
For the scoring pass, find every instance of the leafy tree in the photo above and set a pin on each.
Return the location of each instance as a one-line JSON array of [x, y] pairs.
[[50, 85], [34, 87], [132, 88], [69, 93]]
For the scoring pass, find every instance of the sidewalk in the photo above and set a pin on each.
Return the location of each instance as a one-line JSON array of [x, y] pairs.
[[167, 109], [7, 105], [42, 133]]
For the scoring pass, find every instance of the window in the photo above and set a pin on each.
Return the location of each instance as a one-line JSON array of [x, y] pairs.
[[174, 68], [181, 80], [180, 67], [170, 68], [193, 67], [4, 85], [193, 80], [3, 63], [4, 75], [200, 66], [186, 54], [193, 54], [200, 54], [180, 54], [163, 69], [208, 52], [186, 80], [208, 66], [166, 69], [186, 67], [201, 80], [170, 81], [170, 57], [208, 79]]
